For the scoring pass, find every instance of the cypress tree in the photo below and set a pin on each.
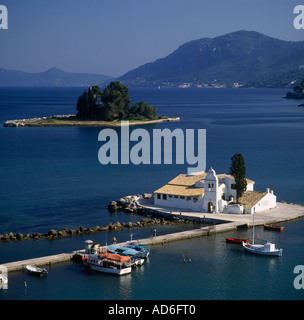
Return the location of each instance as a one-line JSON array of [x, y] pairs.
[[238, 171]]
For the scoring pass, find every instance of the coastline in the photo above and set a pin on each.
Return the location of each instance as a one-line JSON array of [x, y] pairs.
[[71, 120], [229, 222]]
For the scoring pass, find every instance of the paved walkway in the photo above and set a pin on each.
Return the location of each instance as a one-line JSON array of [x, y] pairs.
[[283, 212]]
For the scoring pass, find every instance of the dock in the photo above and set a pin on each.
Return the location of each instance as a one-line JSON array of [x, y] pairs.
[[218, 222]]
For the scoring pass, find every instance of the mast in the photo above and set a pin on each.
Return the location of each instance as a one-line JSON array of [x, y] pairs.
[[253, 230]]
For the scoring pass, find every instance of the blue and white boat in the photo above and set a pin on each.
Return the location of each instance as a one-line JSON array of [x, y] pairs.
[[142, 249], [125, 251]]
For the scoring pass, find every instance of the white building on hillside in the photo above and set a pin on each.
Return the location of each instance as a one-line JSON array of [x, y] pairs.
[[209, 192]]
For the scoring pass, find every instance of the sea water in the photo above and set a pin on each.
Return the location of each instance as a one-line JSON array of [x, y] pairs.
[[51, 179]]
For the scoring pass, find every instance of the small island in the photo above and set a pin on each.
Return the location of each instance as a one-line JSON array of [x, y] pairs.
[[97, 108], [297, 93]]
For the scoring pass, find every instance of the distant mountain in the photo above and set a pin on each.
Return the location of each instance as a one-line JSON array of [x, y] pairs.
[[229, 60], [51, 77]]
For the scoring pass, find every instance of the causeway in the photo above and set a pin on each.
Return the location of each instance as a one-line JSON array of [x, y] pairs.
[[217, 222]]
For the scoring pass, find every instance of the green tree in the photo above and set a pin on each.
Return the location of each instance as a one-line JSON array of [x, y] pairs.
[[142, 111], [238, 171], [117, 94], [83, 105], [114, 104], [86, 106]]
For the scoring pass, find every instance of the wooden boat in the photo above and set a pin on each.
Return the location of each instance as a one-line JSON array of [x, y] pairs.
[[237, 240], [108, 263], [267, 249], [273, 227], [35, 270]]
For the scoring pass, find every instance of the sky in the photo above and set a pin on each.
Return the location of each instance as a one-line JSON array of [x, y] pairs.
[[115, 36]]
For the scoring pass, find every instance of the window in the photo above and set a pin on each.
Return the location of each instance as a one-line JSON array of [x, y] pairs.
[[158, 196], [175, 197], [195, 199], [164, 197], [188, 198], [170, 196], [233, 186], [182, 197]]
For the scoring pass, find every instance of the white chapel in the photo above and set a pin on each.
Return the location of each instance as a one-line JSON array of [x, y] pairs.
[[211, 192]]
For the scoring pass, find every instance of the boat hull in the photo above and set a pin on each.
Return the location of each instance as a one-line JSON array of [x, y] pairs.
[[262, 250], [236, 241], [272, 227], [109, 266], [35, 270], [110, 270]]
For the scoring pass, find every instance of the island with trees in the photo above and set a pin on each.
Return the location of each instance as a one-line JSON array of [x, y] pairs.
[[297, 93], [104, 108]]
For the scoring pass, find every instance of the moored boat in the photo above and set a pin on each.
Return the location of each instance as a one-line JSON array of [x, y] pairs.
[[237, 240], [273, 227], [108, 263], [267, 249], [35, 270], [142, 249], [125, 251]]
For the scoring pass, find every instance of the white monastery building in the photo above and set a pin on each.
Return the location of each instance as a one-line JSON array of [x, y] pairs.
[[211, 192]]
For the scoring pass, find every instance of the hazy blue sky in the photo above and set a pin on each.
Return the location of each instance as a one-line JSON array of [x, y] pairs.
[[114, 36]]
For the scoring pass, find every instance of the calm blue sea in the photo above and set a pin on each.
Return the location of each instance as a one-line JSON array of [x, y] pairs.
[[50, 178]]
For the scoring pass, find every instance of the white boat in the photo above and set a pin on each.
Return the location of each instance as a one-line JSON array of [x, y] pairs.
[[108, 263], [267, 249], [35, 270]]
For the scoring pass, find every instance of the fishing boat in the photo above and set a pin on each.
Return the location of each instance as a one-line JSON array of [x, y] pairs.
[[273, 227], [237, 240], [267, 249], [125, 251], [142, 249], [35, 270], [108, 263]]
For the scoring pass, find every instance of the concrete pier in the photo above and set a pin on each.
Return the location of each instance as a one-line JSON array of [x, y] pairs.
[[225, 222]]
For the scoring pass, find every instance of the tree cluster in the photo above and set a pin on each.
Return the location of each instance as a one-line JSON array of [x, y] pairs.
[[113, 103]]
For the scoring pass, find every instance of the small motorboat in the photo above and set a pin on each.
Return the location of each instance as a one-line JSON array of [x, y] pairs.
[[35, 270], [237, 240], [273, 227]]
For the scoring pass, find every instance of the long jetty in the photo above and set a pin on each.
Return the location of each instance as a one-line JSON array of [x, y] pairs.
[[217, 223]]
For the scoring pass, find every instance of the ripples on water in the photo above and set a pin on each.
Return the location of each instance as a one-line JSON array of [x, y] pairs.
[[51, 178]]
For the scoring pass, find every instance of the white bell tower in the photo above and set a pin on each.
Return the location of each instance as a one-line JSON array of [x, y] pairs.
[[211, 192]]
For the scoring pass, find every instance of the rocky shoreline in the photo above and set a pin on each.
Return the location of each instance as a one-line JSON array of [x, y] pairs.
[[128, 204]]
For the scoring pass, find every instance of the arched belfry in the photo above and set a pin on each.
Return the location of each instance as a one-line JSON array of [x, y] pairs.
[[211, 190]]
